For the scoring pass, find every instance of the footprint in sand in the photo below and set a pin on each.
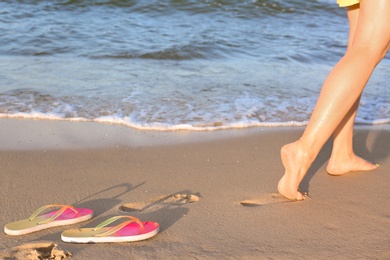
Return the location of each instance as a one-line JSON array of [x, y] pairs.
[[160, 202], [270, 198], [35, 251]]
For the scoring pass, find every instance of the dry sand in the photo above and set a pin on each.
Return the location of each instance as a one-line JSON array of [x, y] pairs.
[[113, 170]]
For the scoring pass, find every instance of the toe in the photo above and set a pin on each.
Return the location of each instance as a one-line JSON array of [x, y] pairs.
[[300, 196]]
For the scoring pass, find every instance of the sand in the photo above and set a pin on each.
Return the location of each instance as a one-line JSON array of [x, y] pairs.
[[117, 171]]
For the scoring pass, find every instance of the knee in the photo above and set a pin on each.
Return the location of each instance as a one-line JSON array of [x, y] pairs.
[[372, 53], [380, 51]]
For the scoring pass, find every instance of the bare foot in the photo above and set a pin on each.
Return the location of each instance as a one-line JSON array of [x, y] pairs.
[[339, 166], [296, 163]]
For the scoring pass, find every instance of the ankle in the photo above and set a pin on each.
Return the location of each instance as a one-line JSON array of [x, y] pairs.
[[341, 155], [307, 152]]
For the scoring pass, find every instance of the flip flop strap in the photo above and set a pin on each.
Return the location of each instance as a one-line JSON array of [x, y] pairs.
[[56, 215], [118, 227]]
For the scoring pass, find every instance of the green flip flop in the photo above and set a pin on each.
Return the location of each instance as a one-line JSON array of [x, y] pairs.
[[66, 215], [128, 231]]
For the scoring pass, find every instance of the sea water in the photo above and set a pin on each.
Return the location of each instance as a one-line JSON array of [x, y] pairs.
[[175, 64]]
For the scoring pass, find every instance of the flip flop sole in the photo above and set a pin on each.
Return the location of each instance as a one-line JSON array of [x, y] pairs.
[[130, 233], [27, 226]]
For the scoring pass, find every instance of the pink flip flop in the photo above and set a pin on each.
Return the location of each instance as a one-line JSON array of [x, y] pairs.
[[66, 215], [128, 231]]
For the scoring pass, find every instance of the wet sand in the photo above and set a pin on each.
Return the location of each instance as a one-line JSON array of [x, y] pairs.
[[118, 171]]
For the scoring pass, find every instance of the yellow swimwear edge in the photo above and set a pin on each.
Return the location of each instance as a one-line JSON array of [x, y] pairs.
[[344, 3]]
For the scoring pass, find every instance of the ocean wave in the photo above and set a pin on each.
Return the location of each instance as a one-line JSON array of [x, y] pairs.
[[163, 113], [170, 64], [178, 52], [190, 6], [179, 127], [166, 30]]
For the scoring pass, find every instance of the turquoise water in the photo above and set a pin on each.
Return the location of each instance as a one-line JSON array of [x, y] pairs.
[[165, 65]]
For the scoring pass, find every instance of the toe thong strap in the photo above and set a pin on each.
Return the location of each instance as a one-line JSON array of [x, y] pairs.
[[118, 227], [56, 215]]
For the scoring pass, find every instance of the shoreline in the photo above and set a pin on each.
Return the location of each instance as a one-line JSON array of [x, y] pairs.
[[38, 134], [107, 168], [41, 134]]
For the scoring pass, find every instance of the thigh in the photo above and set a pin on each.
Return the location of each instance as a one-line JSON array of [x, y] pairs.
[[373, 26], [353, 17]]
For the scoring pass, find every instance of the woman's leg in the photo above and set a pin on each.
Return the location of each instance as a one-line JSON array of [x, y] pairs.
[[343, 158], [340, 92]]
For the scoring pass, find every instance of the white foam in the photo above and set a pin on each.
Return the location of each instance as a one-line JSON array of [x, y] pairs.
[[200, 96], [166, 127]]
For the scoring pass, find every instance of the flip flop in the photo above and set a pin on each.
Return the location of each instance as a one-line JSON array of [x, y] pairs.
[[66, 215], [128, 231]]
